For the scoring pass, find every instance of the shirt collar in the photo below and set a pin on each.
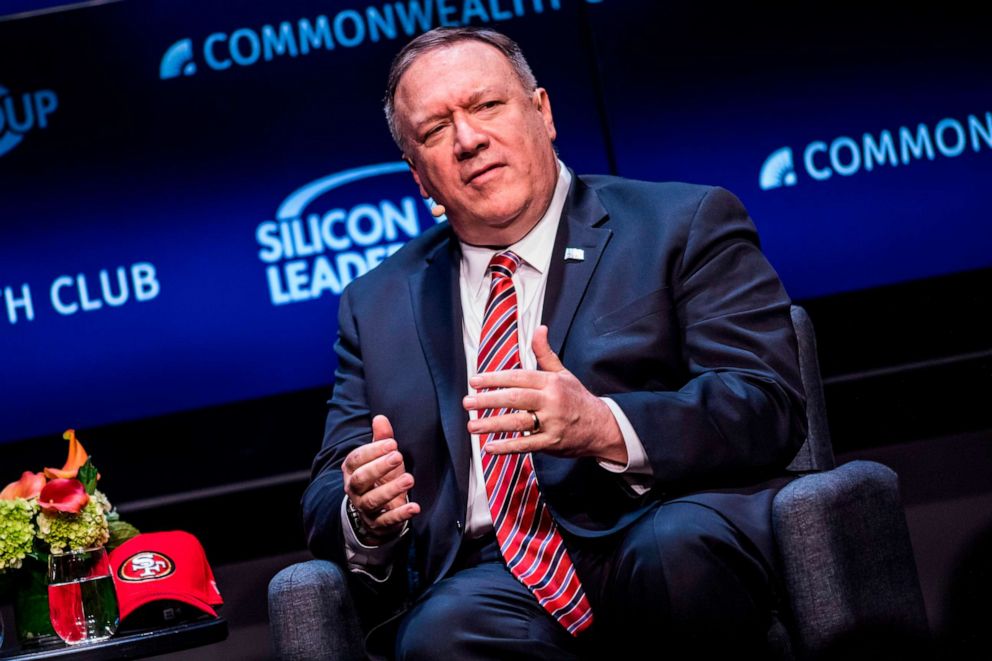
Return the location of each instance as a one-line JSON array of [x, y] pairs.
[[534, 248]]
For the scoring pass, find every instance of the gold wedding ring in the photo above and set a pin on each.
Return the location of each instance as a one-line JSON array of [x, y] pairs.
[[537, 422]]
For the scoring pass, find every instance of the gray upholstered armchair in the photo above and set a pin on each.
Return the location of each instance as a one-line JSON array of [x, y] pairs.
[[849, 570]]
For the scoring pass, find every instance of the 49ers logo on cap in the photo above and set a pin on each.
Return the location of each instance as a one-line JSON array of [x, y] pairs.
[[146, 566]]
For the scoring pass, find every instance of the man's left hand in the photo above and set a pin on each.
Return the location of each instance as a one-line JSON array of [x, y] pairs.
[[573, 421]]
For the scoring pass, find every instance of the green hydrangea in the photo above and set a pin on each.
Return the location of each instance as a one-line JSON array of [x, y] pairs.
[[16, 531], [89, 528], [101, 500]]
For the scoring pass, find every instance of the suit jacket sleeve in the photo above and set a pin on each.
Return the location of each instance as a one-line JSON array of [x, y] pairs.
[[742, 408], [349, 425]]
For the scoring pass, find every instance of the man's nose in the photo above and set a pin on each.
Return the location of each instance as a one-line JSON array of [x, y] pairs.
[[470, 139]]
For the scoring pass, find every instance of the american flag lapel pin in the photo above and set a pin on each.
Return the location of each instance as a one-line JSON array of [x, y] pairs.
[[575, 254]]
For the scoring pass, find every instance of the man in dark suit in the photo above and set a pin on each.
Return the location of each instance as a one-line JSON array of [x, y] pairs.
[[645, 397]]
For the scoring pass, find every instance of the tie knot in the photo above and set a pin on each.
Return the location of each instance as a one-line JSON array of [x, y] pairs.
[[504, 264]]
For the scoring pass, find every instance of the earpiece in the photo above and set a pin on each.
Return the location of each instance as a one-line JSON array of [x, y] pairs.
[[437, 210]]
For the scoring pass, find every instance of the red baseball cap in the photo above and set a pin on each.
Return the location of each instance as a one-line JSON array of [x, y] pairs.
[[170, 566]]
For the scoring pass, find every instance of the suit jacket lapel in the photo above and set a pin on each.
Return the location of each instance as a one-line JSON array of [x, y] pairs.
[[568, 280], [438, 313]]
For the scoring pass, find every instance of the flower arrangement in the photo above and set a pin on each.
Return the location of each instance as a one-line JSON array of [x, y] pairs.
[[57, 510], [52, 511]]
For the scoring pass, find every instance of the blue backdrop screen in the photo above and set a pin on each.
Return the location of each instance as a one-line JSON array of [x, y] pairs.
[[186, 187]]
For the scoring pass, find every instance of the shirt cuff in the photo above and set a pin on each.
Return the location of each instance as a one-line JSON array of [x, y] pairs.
[[373, 561], [637, 472]]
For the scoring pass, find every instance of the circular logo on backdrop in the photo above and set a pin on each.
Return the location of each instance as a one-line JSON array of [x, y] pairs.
[[21, 113], [146, 566]]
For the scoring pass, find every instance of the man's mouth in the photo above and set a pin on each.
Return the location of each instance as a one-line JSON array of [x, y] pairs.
[[482, 171]]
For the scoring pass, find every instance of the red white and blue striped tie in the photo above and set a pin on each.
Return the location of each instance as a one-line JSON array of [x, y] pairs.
[[528, 536]]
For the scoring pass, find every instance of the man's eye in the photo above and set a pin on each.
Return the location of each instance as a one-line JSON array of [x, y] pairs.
[[434, 130], [489, 104]]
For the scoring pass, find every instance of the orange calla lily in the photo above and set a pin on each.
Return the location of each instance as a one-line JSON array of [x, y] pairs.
[[29, 486], [77, 457]]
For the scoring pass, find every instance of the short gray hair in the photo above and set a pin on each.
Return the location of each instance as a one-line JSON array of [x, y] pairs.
[[441, 38]]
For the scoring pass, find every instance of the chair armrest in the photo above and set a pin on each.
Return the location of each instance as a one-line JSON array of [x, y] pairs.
[[312, 614], [848, 562]]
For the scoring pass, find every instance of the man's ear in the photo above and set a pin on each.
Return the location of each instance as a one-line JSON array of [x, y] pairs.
[[542, 103], [416, 176]]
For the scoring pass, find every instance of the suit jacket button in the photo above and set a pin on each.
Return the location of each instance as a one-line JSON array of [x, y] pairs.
[[458, 524]]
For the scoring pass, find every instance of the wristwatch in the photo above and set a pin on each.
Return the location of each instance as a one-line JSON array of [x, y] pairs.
[[358, 525]]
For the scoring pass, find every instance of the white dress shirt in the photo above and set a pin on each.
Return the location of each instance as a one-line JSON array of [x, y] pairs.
[[530, 279]]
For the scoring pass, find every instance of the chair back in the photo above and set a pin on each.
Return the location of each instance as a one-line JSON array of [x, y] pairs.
[[816, 453]]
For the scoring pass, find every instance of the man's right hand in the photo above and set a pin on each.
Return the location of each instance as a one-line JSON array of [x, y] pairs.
[[376, 482]]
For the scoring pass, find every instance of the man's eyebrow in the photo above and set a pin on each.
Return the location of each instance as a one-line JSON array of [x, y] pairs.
[[419, 125], [473, 99], [479, 95]]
